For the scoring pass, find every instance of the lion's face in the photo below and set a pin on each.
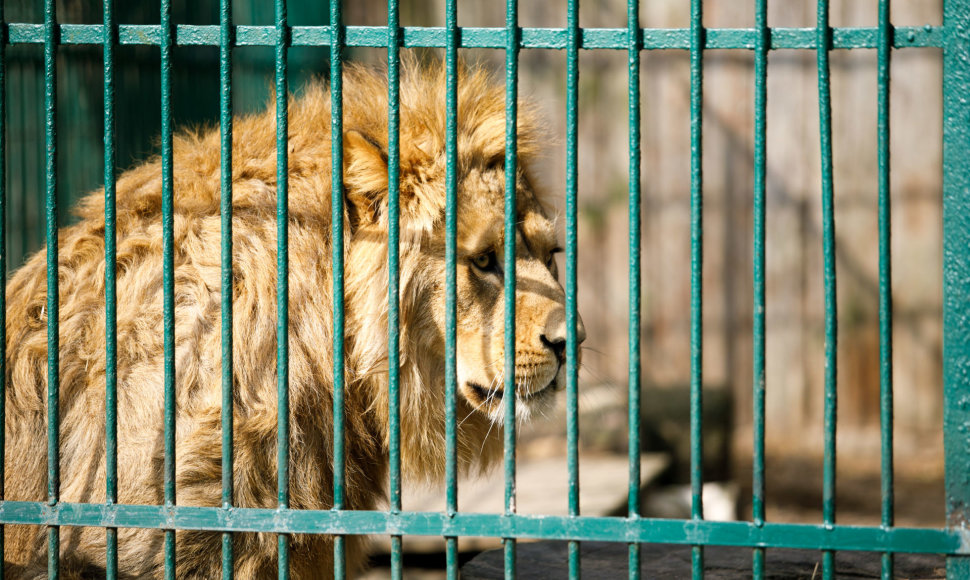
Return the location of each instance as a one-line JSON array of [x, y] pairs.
[[540, 337], [540, 320], [540, 341]]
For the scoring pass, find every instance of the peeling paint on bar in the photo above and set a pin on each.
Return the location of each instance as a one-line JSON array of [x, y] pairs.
[[885, 281], [758, 282], [110, 292], [800, 536], [477, 37], [53, 316], [337, 257], [635, 276], [168, 276], [956, 276], [451, 282], [225, 270]]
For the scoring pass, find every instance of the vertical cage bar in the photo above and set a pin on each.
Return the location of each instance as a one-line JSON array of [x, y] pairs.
[[451, 283], [572, 371], [110, 294], [762, 44], [168, 274], [824, 44], [337, 255], [635, 274], [956, 273], [282, 287], [393, 282], [884, 56], [511, 149], [696, 273], [53, 344], [226, 287]]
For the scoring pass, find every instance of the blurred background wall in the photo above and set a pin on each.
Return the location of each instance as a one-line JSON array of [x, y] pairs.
[[195, 97], [795, 361]]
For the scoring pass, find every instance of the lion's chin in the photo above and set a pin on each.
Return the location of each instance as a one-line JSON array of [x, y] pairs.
[[527, 405], [531, 399], [535, 404]]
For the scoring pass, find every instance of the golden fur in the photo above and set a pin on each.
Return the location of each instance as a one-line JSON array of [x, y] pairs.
[[539, 303]]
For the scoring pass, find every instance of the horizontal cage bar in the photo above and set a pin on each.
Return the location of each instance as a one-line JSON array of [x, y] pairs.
[[699, 532], [474, 37]]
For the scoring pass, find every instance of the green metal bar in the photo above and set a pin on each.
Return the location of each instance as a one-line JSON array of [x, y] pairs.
[[110, 291], [572, 370], [758, 278], [884, 56], [393, 283], [635, 274], [585, 528], [282, 287], [476, 37], [53, 340], [828, 266], [511, 149], [168, 275], [956, 276], [696, 274], [451, 280], [337, 255], [226, 286]]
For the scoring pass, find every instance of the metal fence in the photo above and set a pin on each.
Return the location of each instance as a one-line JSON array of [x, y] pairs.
[[953, 37]]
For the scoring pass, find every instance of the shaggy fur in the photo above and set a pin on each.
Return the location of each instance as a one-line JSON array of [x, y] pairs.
[[540, 327]]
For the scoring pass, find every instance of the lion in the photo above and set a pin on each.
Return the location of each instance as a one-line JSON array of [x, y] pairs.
[[540, 324]]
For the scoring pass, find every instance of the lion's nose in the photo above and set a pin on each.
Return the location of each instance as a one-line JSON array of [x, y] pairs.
[[554, 334]]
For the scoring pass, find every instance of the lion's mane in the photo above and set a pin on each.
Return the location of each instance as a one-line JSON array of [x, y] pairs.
[[196, 178]]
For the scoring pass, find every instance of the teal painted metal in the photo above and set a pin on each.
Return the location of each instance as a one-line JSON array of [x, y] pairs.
[[475, 37], [110, 292], [572, 370], [635, 274], [758, 312], [696, 274], [885, 281], [451, 281], [511, 149], [828, 269], [589, 528], [394, 273], [337, 255], [451, 524], [225, 281], [53, 339], [282, 288], [956, 277], [168, 276]]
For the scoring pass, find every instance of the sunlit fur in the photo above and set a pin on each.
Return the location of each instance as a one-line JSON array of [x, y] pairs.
[[481, 141]]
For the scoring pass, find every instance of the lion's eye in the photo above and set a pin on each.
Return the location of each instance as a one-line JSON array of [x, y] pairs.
[[485, 262], [551, 261]]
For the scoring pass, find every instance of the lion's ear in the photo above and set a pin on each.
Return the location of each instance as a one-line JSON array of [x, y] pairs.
[[365, 177]]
